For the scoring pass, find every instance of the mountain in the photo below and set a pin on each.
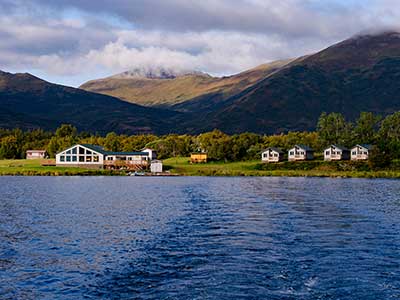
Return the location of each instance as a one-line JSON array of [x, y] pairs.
[[28, 102], [358, 74], [166, 88]]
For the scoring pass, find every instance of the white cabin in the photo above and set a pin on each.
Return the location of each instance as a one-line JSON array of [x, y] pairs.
[[300, 152], [335, 152], [36, 154], [360, 152], [271, 155]]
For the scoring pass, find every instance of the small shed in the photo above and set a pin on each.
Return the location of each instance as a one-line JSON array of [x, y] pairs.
[[271, 155], [301, 152], [36, 154], [336, 152], [198, 157], [361, 152], [156, 166]]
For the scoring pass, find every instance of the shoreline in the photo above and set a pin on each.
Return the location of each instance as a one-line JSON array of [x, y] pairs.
[[180, 167]]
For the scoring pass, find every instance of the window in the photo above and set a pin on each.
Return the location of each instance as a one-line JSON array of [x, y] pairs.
[[365, 152], [327, 153], [81, 158], [74, 158], [88, 152], [69, 152], [110, 158], [88, 159], [275, 155], [81, 150], [74, 150], [291, 153], [62, 158], [354, 153], [302, 152], [68, 158], [265, 155], [95, 158]]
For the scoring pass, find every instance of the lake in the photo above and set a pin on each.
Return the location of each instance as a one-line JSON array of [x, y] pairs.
[[199, 238]]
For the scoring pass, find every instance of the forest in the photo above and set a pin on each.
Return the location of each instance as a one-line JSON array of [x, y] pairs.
[[383, 133]]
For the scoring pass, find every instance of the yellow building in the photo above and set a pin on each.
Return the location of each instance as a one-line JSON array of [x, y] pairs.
[[198, 158]]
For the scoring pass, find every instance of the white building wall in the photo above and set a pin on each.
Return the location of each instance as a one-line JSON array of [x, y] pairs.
[[74, 156]]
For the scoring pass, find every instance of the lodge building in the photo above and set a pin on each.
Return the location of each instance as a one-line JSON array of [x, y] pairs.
[[95, 157]]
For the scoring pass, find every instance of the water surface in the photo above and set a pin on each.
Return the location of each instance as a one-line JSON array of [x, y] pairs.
[[199, 238]]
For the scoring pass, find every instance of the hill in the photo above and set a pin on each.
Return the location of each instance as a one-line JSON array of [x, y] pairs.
[[358, 74], [165, 88], [29, 102]]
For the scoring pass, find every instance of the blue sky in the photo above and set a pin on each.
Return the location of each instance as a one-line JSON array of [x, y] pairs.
[[70, 42]]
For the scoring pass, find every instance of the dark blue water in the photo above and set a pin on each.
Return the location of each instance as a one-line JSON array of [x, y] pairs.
[[199, 238]]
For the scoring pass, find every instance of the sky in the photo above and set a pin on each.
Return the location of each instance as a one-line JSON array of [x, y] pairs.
[[71, 42]]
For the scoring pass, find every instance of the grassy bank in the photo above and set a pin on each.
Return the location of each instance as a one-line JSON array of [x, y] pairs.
[[293, 169], [23, 167], [182, 166]]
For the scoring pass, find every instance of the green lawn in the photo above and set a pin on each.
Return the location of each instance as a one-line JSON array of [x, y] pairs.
[[182, 166], [34, 168]]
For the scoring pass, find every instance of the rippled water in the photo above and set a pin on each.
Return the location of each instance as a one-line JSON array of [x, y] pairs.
[[199, 238]]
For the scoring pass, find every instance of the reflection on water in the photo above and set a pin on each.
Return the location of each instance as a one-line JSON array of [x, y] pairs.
[[199, 238]]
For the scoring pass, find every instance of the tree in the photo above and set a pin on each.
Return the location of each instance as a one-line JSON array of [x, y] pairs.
[[217, 144], [365, 131], [9, 147], [112, 142], [333, 129], [389, 134], [66, 130]]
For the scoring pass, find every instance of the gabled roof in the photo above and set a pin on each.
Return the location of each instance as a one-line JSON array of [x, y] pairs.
[[366, 146], [339, 147], [101, 150], [96, 148], [273, 149], [304, 147]]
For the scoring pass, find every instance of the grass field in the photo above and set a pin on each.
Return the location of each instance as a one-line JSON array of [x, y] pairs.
[[24, 167], [255, 168], [182, 166]]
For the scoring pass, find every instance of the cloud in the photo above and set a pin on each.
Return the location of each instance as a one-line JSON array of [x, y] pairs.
[[83, 39]]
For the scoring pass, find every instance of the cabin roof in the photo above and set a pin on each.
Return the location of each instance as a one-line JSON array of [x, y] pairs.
[[273, 149], [125, 153], [339, 147], [101, 150], [366, 146], [304, 147]]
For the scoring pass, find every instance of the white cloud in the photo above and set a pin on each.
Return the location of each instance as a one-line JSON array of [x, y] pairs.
[[74, 38]]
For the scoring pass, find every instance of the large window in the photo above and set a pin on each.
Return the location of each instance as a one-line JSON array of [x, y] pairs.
[[88, 159], [81, 150], [74, 158], [95, 158], [81, 158], [74, 150], [68, 158], [62, 158]]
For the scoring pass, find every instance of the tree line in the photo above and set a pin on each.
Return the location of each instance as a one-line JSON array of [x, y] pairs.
[[332, 128]]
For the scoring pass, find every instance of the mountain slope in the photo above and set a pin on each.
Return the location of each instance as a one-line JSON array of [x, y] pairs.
[[166, 88], [359, 74], [29, 102]]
